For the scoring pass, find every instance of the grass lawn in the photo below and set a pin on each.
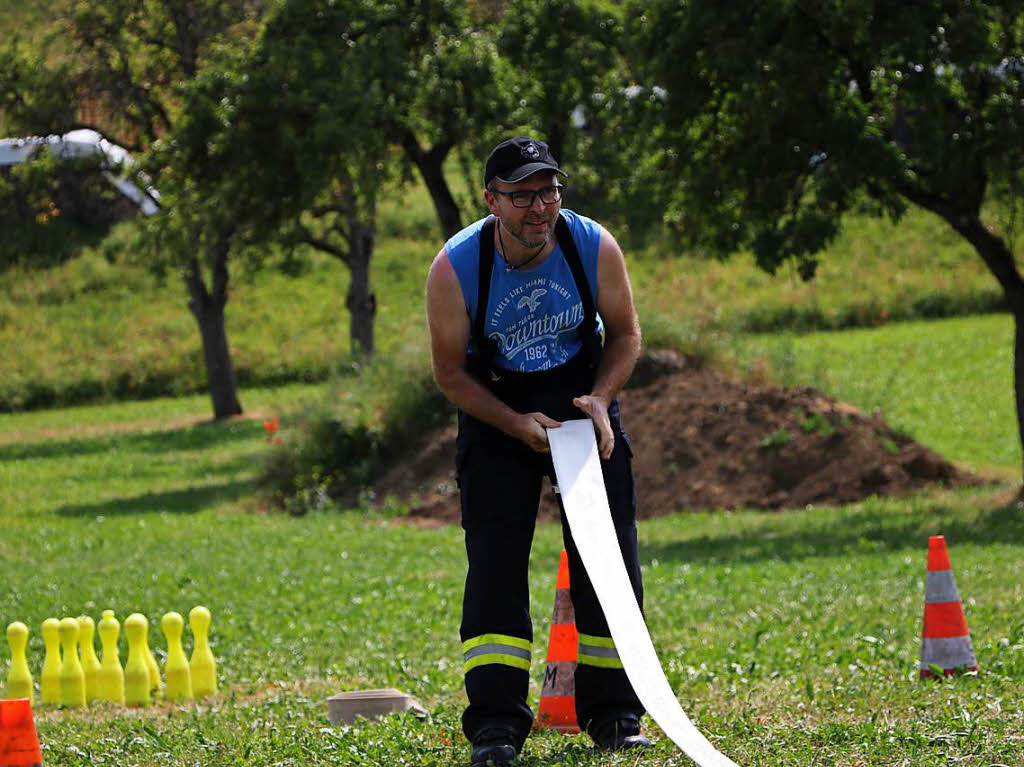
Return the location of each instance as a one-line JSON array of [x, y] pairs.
[[791, 639]]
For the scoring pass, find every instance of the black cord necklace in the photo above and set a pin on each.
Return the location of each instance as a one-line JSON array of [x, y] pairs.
[[510, 267]]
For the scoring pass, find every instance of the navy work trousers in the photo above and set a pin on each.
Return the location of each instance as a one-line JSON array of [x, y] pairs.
[[500, 483]]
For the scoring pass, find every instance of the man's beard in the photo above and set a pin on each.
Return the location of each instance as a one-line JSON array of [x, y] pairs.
[[519, 234]]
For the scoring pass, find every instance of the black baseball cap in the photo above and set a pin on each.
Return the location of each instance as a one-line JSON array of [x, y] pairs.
[[516, 158]]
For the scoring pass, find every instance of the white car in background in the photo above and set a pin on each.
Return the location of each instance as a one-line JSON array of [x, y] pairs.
[[84, 143]]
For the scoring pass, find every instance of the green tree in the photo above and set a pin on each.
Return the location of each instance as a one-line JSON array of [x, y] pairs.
[[783, 116], [453, 99], [326, 115], [131, 58], [567, 80], [39, 198], [134, 60], [298, 139], [195, 236], [559, 51], [50, 207], [35, 98], [341, 222], [123, 68]]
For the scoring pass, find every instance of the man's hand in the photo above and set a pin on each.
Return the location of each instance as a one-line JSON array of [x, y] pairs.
[[530, 429], [597, 408]]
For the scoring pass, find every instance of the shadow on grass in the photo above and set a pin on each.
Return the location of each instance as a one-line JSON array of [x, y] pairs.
[[859, 533], [185, 501], [204, 435]]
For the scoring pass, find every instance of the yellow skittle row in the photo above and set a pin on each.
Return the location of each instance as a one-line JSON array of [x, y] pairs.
[[72, 675]]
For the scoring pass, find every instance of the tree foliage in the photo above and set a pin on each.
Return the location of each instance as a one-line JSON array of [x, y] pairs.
[[781, 116], [455, 103], [35, 98], [567, 80], [50, 207], [135, 64], [132, 57], [560, 51]]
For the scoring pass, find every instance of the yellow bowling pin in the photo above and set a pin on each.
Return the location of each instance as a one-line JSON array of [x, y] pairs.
[[72, 677], [90, 663], [111, 676], [136, 670], [49, 680], [19, 678], [202, 664], [155, 683], [179, 675]]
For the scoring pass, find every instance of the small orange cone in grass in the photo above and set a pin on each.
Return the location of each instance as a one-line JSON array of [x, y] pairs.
[[946, 647], [19, 743], [557, 710]]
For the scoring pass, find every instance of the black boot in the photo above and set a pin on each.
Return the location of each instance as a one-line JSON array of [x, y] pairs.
[[493, 748], [619, 735]]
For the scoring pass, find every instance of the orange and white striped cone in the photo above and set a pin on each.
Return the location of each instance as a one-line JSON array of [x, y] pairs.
[[946, 642], [557, 710]]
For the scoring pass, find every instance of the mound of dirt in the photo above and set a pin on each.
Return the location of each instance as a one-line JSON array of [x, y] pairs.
[[702, 441]]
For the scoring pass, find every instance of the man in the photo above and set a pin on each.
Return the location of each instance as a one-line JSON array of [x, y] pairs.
[[513, 303]]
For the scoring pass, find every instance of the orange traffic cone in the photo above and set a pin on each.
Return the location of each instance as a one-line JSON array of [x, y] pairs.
[[19, 744], [946, 642], [557, 710]]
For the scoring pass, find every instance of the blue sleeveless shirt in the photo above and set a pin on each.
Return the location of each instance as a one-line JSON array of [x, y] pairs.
[[533, 314]]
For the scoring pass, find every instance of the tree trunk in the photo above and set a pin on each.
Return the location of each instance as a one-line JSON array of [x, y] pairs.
[[1018, 375], [1000, 261], [361, 302], [556, 141], [208, 309], [431, 167], [998, 258]]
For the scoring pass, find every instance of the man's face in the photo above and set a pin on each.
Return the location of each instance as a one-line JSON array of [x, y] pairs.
[[531, 226]]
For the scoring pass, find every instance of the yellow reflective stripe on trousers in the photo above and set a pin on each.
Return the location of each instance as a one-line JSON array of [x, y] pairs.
[[595, 641], [497, 648], [597, 651]]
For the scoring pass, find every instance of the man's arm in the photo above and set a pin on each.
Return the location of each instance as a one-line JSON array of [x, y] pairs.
[[621, 339], [449, 338]]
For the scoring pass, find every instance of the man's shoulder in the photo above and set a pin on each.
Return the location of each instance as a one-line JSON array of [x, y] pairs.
[[585, 231], [465, 241], [574, 219]]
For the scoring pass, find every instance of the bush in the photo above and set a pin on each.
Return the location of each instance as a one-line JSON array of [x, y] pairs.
[[806, 318], [49, 210], [340, 445]]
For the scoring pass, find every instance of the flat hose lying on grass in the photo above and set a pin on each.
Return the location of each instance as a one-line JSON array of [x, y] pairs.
[[581, 484]]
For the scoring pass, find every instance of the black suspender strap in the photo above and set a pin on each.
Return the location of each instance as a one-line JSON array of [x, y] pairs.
[[485, 349], [588, 328], [483, 290]]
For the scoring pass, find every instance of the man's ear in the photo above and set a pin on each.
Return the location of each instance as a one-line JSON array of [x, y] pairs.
[[492, 201]]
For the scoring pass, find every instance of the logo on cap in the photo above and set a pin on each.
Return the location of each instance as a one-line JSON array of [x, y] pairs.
[[531, 151]]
